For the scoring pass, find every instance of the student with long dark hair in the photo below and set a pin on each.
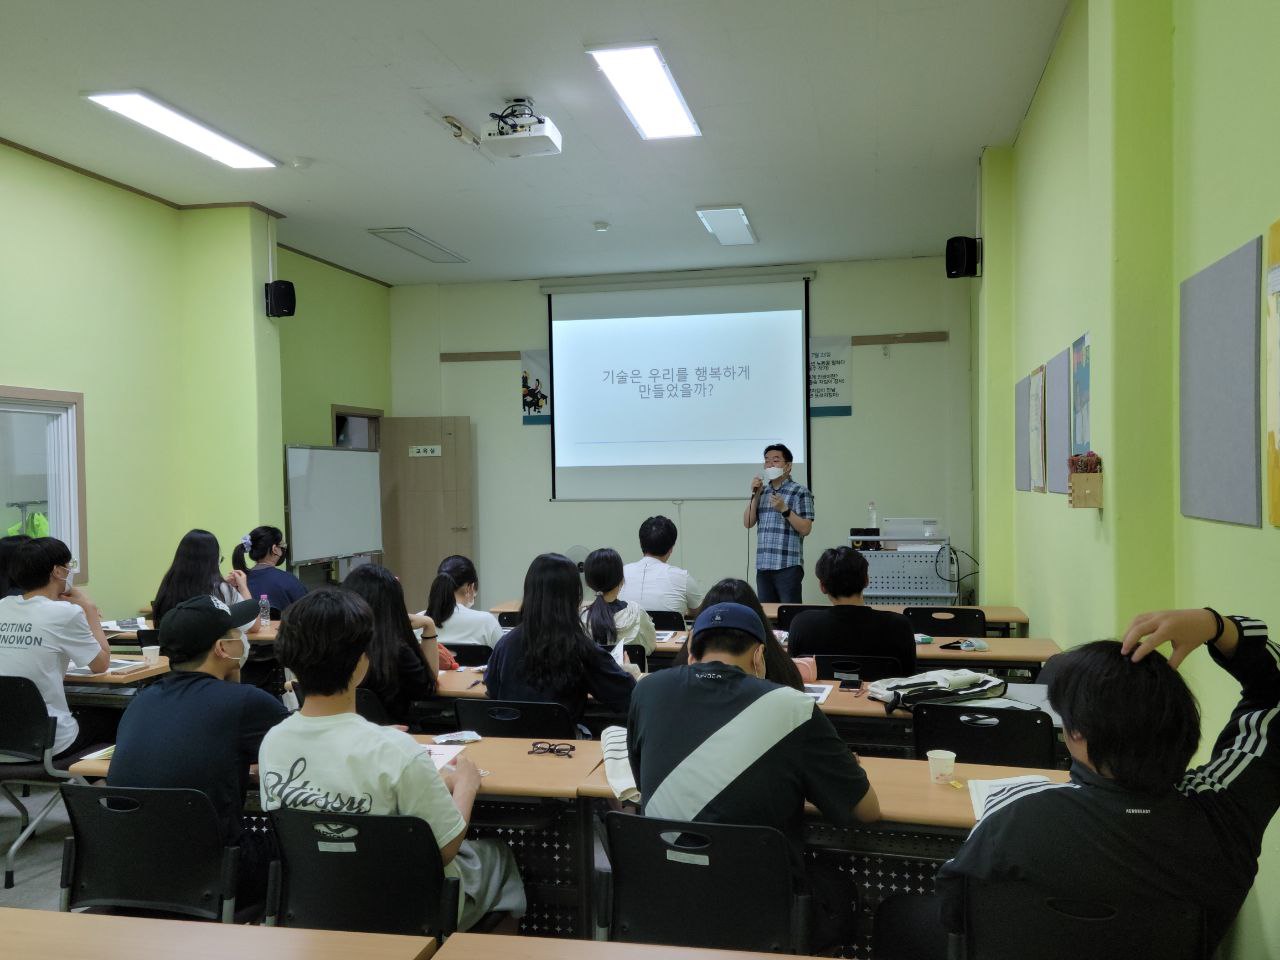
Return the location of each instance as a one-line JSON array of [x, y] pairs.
[[8, 547], [196, 572], [778, 667], [549, 655], [608, 618], [450, 605], [401, 669], [265, 546]]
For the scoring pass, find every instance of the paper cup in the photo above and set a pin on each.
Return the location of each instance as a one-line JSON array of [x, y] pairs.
[[151, 655], [942, 765]]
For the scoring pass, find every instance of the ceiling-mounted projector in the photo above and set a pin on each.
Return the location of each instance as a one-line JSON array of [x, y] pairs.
[[519, 132]]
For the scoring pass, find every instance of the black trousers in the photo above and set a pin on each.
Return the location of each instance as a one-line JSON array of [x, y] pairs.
[[909, 927]]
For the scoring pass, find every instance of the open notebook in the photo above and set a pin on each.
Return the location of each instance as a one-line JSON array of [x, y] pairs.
[[117, 666]]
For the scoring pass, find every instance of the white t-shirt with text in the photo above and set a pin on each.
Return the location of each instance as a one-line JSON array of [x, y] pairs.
[[345, 764], [39, 638]]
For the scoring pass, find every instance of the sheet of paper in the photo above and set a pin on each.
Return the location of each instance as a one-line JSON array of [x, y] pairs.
[[122, 626], [980, 790], [442, 754], [619, 655], [662, 636], [116, 666], [106, 753], [819, 691]]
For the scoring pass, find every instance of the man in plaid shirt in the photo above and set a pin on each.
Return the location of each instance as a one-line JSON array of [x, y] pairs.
[[784, 511]]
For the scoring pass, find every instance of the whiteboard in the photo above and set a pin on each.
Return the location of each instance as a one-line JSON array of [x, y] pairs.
[[334, 501]]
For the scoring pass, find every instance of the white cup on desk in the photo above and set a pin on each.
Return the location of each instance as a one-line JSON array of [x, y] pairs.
[[151, 655], [942, 765]]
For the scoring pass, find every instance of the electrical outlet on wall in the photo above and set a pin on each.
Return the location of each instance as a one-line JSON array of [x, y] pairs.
[[425, 450]]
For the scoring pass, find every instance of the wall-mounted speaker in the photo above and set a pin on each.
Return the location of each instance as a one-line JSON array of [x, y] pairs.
[[281, 301], [964, 257]]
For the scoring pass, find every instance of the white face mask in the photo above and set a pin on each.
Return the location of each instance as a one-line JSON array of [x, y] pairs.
[[244, 654], [773, 473]]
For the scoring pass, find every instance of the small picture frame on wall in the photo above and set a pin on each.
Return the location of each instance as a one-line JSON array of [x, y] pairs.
[[1035, 426]]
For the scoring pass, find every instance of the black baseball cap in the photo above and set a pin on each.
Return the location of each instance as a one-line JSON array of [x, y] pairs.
[[729, 616], [189, 630]]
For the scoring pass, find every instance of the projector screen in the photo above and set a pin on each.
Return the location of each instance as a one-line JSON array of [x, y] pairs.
[[673, 394]]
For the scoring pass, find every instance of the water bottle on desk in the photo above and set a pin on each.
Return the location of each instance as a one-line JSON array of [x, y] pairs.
[[264, 611], [873, 519]]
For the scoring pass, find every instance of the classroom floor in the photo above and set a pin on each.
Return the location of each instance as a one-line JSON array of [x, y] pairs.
[[39, 862]]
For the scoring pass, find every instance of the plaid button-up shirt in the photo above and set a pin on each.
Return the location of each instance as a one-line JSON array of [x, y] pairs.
[[778, 546]]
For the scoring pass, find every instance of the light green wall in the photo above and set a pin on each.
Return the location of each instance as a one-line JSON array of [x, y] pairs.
[[1225, 191], [335, 349], [907, 445], [156, 315], [1144, 157]]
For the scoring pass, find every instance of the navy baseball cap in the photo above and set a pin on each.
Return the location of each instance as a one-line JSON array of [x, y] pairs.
[[729, 616], [189, 630]]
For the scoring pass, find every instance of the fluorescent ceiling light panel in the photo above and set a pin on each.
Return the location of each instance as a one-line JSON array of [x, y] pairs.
[[646, 90], [146, 110], [729, 225], [409, 239]]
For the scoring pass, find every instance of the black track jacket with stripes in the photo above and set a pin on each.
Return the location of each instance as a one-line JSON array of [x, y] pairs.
[[1198, 843]]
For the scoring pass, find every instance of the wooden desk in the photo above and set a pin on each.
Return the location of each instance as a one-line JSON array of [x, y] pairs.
[[121, 679], [51, 935], [266, 634], [480, 946], [1002, 652], [906, 794], [514, 772]]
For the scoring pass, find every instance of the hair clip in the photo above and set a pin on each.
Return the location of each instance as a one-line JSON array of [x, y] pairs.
[[246, 542]]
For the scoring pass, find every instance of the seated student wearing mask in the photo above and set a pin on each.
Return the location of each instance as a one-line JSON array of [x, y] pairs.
[[849, 626], [327, 750], [48, 625], [715, 742], [198, 727], [451, 605], [608, 618], [265, 546], [652, 582], [1133, 824]]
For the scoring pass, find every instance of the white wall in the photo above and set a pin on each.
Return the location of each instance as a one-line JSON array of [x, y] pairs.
[[907, 445]]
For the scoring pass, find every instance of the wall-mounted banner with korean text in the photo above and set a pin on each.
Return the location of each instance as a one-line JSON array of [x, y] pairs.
[[829, 394]]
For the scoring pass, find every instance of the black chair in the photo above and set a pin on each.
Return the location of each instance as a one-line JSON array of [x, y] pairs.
[[1013, 920], [667, 619], [947, 621], [370, 874], [370, 706], [788, 611], [152, 850], [28, 732], [471, 654], [836, 666], [1014, 738], [662, 871], [637, 655], [514, 718], [509, 618]]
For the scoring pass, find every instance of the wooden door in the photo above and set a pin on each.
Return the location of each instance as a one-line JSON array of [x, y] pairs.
[[426, 500]]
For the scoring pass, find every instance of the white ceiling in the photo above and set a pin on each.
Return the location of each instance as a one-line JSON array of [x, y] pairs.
[[847, 128]]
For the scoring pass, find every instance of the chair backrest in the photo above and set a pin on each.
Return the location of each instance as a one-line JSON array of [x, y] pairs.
[[947, 621], [1012, 920], [26, 729], [663, 871], [471, 654], [515, 718], [831, 666], [787, 612], [1014, 738], [370, 706], [667, 619], [147, 849], [637, 655], [371, 874], [148, 637], [509, 618]]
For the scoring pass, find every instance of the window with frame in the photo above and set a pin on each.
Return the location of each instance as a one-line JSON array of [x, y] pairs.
[[42, 467]]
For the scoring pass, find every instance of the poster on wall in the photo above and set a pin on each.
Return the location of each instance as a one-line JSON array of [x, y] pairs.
[[1035, 426], [1080, 439], [535, 387], [829, 377], [1273, 374]]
